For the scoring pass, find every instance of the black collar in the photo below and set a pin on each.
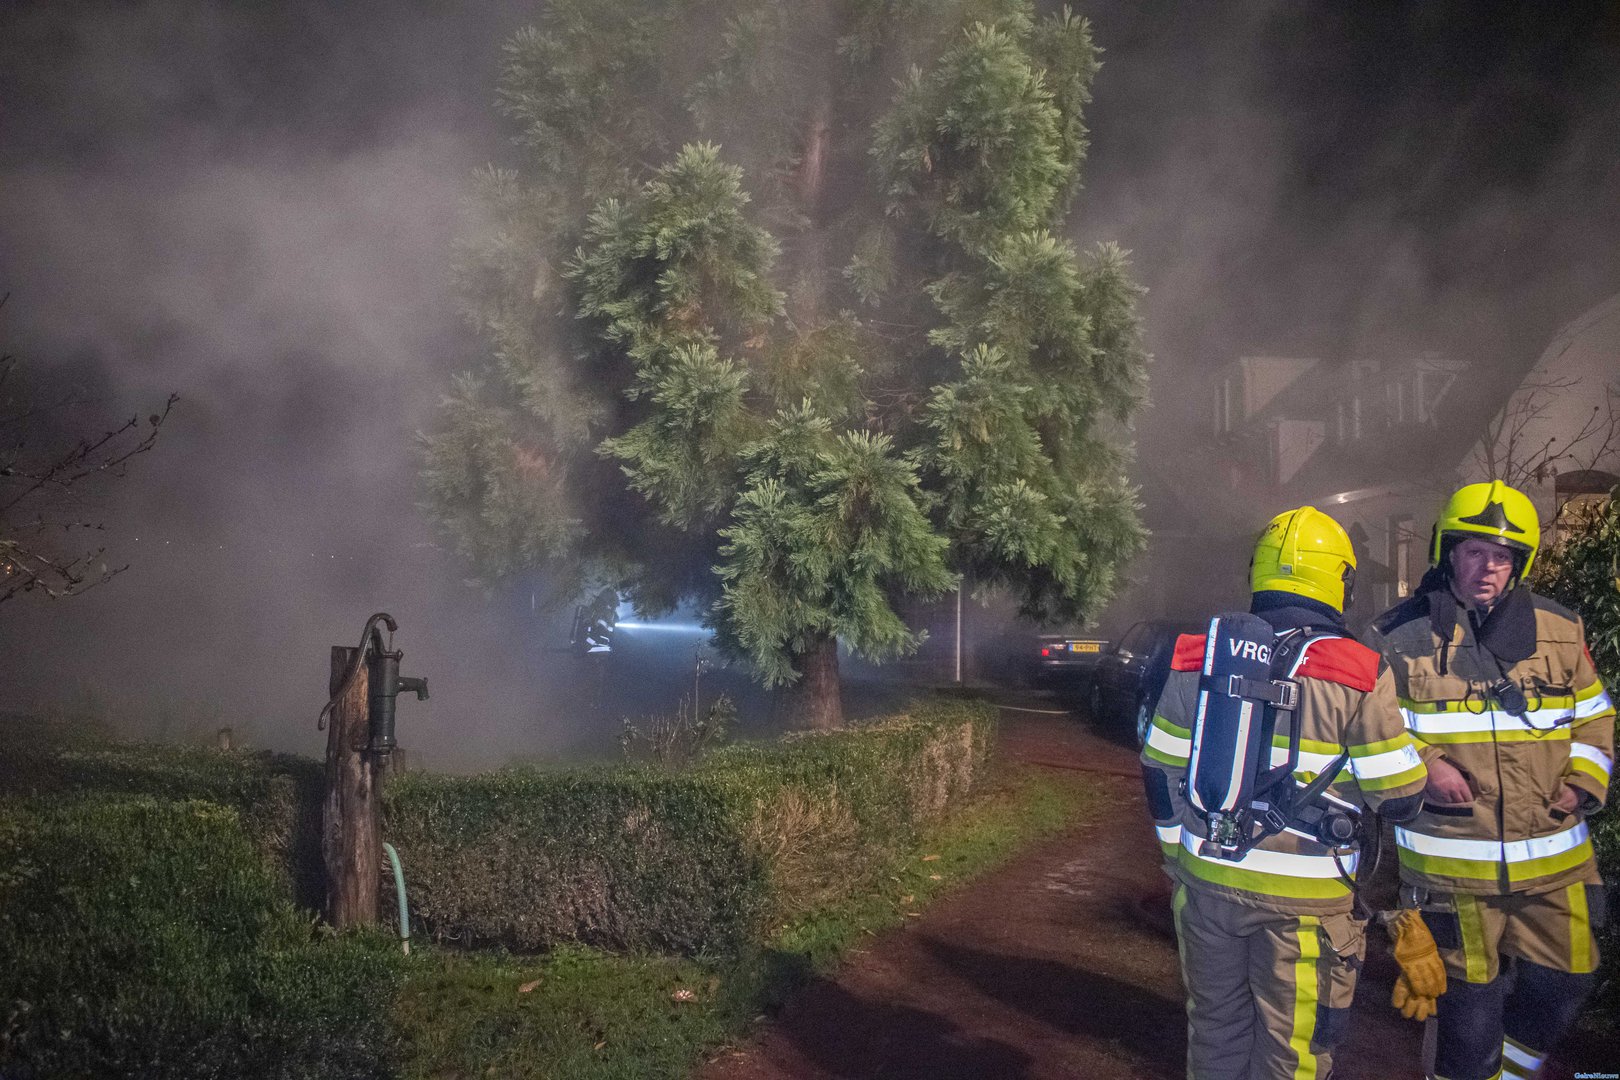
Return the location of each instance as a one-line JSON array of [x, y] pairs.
[[1507, 631], [1289, 611]]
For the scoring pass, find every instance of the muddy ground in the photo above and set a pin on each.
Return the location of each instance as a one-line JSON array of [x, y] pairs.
[[1060, 965]]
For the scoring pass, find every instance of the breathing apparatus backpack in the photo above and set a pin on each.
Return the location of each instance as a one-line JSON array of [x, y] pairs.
[[1245, 691]]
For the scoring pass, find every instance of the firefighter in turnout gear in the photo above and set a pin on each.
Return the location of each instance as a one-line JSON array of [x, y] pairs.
[[1518, 734], [1270, 946]]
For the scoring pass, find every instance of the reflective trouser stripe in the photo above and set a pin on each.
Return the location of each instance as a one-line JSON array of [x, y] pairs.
[[1550, 931], [1310, 951], [1518, 1060], [1580, 931], [1476, 954], [1178, 904]]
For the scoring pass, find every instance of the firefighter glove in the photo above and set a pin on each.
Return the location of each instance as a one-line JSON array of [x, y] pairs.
[[1423, 976]]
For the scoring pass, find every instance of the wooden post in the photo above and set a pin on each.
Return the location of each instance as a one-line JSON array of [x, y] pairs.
[[351, 836]]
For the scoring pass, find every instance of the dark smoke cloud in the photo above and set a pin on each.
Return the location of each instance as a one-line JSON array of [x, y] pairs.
[[1330, 178], [253, 205], [1348, 182]]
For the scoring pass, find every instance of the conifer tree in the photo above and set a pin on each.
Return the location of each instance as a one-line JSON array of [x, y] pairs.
[[781, 319]]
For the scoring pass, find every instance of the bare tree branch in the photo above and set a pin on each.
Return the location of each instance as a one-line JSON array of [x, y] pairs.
[[1518, 448], [35, 483]]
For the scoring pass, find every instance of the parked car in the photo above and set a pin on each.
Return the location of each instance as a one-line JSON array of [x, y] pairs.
[[1064, 662], [1127, 677], [1058, 662]]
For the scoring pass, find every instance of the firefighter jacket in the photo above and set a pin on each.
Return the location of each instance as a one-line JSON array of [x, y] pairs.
[[1449, 668], [1347, 703]]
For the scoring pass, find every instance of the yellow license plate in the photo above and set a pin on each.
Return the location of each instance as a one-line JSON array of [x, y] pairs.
[[1085, 646]]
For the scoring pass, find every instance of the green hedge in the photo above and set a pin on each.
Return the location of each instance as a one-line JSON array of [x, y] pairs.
[[278, 796], [147, 927], [702, 860], [149, 938]]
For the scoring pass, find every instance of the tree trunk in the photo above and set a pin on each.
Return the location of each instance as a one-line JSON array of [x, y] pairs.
[[351, 836], [808, 255], [814, 702]]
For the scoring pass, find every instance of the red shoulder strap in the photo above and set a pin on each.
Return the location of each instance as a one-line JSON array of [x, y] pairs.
[[1340, 660], [1189, 655]]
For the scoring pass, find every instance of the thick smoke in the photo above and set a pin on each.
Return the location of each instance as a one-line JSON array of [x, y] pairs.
[[1347, 182], [255, 206], [259, 217]]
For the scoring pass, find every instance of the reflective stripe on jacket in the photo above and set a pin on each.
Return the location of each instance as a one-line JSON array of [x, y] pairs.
[[1509, 840], [1347, 702]]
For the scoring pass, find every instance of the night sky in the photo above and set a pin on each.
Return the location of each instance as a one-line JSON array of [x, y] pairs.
[[253, 205]]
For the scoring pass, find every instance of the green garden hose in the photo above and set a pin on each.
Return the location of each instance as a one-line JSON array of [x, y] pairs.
[[399, 889]]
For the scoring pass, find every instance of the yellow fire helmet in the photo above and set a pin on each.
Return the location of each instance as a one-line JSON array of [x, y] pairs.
[[1493, 512], [1305, 552]]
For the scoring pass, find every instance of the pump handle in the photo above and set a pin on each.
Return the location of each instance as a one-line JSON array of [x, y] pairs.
[[366, 637]]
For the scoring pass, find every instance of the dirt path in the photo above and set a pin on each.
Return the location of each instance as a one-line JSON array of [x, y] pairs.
[[1060, 965]]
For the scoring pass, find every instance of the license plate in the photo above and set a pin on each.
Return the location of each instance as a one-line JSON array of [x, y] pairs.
[[1085, 646]]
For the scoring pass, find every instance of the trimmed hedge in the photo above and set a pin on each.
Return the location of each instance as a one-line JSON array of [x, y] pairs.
[[147, 926], [278, 796], [702, 860], [148, 938]]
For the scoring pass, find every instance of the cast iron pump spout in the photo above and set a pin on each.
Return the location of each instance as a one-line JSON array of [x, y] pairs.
[[385, 683]]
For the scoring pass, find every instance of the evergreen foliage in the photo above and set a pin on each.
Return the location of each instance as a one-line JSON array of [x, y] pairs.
[[781, 318], [1583, 573]]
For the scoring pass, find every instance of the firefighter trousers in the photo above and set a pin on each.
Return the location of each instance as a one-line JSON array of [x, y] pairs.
[[1518, 969], [1268, 994]]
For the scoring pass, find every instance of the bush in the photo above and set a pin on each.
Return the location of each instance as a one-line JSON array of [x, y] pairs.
[[146, 925], [680, 739], [700, 860], [626, 858], [148, 938], [278, 796]]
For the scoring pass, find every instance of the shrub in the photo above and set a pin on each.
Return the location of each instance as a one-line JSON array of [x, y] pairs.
[[680, 739], [699, 860], [629, 858], [278, 796], [148, 938]]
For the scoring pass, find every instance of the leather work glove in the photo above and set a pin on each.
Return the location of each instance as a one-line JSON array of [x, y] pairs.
[[1423, 976]]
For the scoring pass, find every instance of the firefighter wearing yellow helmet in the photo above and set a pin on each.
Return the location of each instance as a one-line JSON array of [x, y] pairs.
[[1306, 553], [1270, 944], [1517, 732]]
